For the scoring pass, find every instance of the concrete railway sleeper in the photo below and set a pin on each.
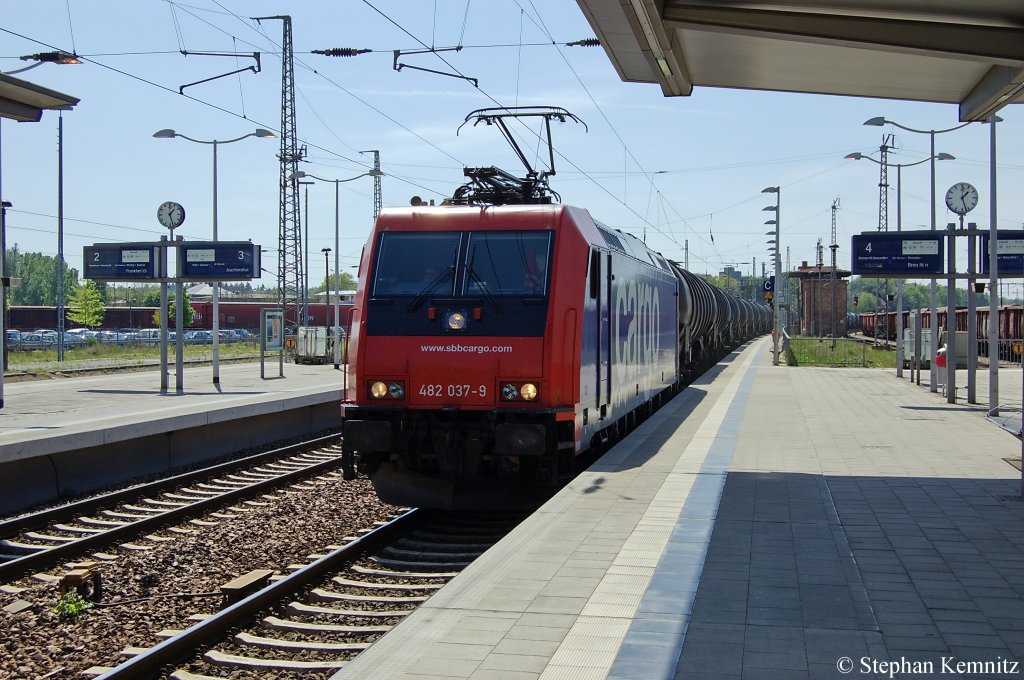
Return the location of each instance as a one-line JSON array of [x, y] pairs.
[[39, 541], [350, 597]]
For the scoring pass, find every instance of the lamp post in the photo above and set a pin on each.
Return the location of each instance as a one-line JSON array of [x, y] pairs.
[[305, 261], [4, 205], [168, 134], [337, 249], [857, 156], [778, 280], [327, 279], [879, 121]]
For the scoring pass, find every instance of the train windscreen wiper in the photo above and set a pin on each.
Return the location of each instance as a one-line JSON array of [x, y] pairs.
[[475, 278], [430, 288]]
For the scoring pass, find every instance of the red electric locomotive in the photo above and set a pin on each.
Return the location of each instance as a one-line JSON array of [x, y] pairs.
[[495, 341]]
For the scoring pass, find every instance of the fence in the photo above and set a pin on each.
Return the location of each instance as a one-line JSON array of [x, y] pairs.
[[801, 351], [1009, 350]]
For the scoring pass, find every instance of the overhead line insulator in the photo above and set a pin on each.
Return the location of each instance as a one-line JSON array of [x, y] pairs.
[[341, 52], [587, 42]]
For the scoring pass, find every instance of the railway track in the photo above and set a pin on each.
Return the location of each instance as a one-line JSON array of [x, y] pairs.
[[42, 540], [320, 616]]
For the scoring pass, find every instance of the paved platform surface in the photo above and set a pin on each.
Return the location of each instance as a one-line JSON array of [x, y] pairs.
[[46, 416], [770, 522]]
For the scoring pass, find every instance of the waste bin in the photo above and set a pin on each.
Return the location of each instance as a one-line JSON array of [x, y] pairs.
[[940, 366]]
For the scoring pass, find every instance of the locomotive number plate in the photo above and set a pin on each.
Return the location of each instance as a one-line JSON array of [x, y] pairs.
[[440, 390]]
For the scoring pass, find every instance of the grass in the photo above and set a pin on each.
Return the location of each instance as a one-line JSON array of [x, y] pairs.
[[71, 605], [97, 352], [812, 352]]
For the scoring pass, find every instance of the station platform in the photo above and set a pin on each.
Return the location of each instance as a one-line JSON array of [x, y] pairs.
[[65, 436], [769, 522]]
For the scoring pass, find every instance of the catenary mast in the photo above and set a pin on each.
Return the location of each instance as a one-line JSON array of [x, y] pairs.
[[289, 254]]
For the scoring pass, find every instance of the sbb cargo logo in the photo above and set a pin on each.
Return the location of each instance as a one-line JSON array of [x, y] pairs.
[[637, 325]]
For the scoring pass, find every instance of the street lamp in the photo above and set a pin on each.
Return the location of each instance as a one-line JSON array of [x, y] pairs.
[[168, 134], [4, 284], [327, 280], [337, 249], [778, 279], [879, 121], [942, 156]]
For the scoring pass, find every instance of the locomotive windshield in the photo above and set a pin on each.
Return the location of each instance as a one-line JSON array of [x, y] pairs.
[[473, 264], [413, 263], [507, 263]]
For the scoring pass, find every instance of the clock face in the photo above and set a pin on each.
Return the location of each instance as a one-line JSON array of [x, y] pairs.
[[962, 198], [170, 214]]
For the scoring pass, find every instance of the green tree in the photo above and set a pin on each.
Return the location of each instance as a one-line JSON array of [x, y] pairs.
[[345, 282], [151, 298], [188, 316], [85, 306], [38, 274], [724, 282], [915, 295]]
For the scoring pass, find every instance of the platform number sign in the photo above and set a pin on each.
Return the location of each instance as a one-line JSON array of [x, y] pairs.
[[122, 262], [908, 254], [220, 261], [1009, 253]]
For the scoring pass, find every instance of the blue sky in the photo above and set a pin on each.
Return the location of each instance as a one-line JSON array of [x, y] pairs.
[[675, 170]]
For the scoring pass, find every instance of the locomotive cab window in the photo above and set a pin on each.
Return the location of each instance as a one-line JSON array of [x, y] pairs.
[[508, 263], [415, 263]]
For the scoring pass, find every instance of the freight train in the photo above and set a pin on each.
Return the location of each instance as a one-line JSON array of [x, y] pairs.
[[491, 346], [497, 339], [1010, 321]]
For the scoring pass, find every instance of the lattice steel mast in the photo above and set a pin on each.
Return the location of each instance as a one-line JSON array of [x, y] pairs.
[[883, 183], [289, 254], [377, 201], [882, 299]]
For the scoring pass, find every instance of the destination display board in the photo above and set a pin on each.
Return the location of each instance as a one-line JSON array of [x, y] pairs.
[[1009, 253], [910, 254], [122, 262], [219, 261]]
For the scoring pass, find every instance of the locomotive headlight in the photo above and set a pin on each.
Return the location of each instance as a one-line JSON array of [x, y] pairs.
[[518, 391], [394, 389], [456, 321]]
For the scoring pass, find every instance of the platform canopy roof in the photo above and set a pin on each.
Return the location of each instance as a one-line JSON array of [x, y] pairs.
[[965, 52], [23, 101]]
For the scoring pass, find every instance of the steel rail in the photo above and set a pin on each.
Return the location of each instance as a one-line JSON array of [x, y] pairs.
[[183, 646], [16, 525], [46, 558]]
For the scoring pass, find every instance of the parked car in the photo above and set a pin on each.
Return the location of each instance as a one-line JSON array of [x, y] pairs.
[[114, 336], [149, 336], [13, 337], [31, 341], [74, 339], [83, 334]]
